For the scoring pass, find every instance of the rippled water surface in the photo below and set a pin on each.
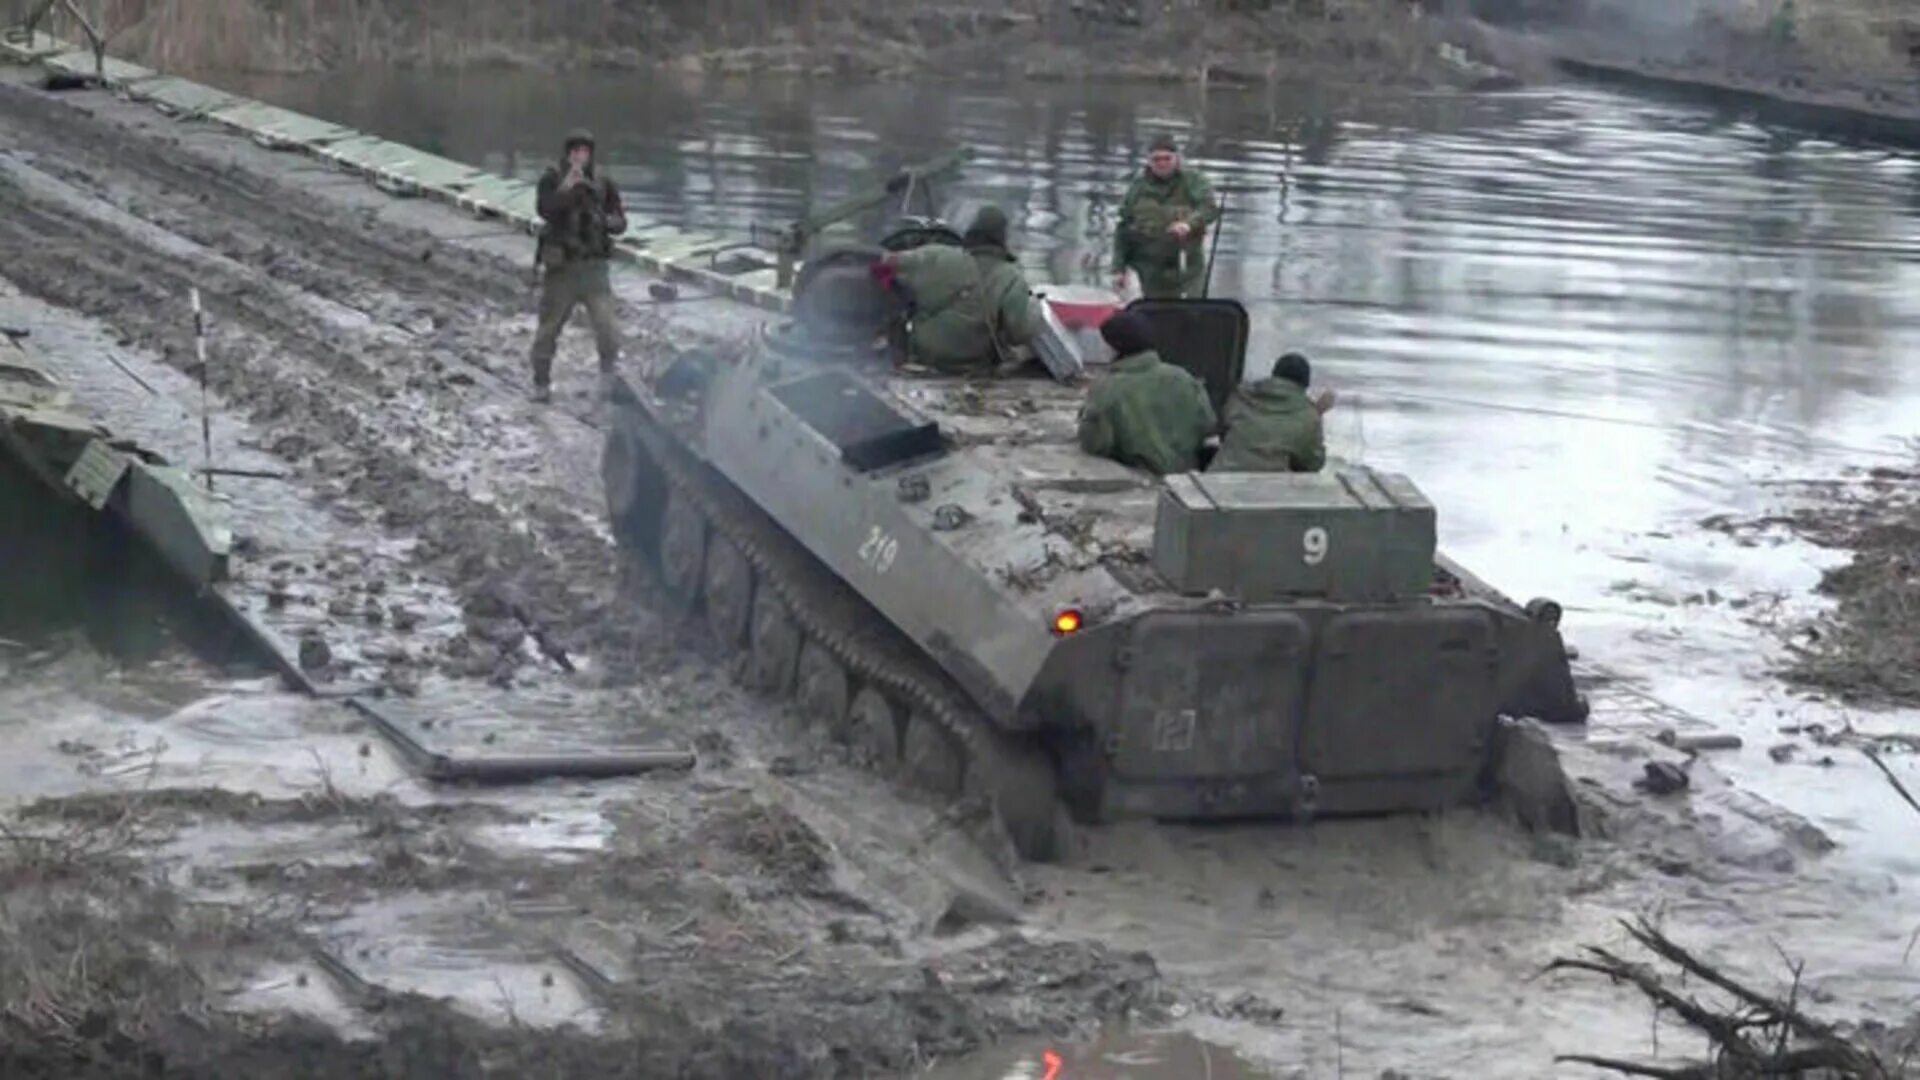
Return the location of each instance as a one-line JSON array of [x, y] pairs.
[[1706, 293]]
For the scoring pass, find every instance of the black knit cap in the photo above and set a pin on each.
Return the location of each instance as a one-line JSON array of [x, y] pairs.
[[1294, 368], [1127, 332], [577, 137], [989, 227]]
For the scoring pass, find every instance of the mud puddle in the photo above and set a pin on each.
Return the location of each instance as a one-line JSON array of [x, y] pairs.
[[1419, 945], [455, 948], [252, 739], [600, 914]]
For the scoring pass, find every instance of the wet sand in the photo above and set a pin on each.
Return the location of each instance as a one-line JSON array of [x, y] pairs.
[[784, 899]]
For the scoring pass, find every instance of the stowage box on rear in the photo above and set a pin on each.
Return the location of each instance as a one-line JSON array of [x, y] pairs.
[[1348, 534]]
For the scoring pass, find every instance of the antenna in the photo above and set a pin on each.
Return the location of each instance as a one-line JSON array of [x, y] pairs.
[[200, 354]]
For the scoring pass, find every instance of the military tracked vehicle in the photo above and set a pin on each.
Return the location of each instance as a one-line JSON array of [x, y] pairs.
[[943, 580]]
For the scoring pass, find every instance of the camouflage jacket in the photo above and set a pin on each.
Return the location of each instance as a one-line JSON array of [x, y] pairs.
[[967, 304], [1271, 427], [581, 221], [1149, 414], [1150, 206]]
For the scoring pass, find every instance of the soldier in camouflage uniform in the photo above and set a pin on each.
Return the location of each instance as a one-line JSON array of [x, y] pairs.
[[970, 305], [1273, 425], [1162, 228], [1146, 413], [583, 213]]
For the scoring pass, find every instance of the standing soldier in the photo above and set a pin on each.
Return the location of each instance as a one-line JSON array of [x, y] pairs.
[[583, 213], [1161, 234]]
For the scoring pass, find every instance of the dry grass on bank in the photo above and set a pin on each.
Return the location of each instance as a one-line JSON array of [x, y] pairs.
[[1176, 39]]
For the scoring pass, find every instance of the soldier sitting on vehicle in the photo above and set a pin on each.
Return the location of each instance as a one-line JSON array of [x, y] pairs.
[[1145, 413], [1273, 425], [970, 305]]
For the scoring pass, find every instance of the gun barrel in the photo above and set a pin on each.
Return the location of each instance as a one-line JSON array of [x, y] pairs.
[[862, 201]]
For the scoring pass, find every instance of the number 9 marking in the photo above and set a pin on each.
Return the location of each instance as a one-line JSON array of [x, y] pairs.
[[1313, 544]]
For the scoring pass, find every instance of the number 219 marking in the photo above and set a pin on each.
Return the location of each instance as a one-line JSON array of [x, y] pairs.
[[1313, 544], [879, 550]]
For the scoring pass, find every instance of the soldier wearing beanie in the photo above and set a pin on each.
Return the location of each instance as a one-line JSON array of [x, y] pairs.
[[970, 305], [1146, 413], [1272, 425]]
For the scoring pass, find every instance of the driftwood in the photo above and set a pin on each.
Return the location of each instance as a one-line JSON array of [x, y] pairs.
[[1759, 1035]]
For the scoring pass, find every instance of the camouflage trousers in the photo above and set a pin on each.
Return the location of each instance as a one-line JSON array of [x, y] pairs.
[[1164, 281], [563, 288]]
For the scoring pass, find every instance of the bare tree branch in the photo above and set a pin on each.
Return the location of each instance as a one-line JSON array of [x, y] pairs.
[[1662, 946], [1891, 778], [1723, 1030], [1821, 1051]]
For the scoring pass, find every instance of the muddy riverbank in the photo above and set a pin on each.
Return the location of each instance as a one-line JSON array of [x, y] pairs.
[[1844, 69], [1830, 103], [1862, 649], [370, 347]]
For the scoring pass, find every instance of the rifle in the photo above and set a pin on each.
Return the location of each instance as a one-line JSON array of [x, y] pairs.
[[594, 206], [1213, 246]]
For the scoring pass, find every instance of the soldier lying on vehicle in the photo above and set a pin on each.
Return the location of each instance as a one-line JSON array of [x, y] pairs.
[[969, 306]]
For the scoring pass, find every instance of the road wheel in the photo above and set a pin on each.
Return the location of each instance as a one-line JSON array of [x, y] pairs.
[[1018, 779], [930, 759], [729, 594], [683, 550], [823, 690], [873, 732], [774, 646]]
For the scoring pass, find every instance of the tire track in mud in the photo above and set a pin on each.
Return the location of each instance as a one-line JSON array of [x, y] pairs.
[[380, 407], [166, 161], [406, 261]]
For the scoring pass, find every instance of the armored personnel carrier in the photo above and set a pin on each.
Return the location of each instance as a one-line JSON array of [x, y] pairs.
[[943, 580]]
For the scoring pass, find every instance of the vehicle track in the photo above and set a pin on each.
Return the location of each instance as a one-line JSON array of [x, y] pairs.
[[869, 685]]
